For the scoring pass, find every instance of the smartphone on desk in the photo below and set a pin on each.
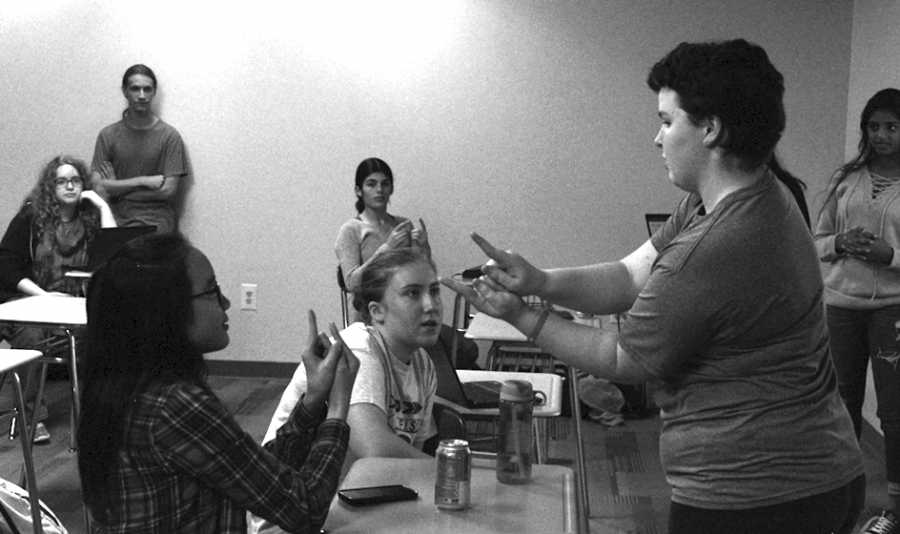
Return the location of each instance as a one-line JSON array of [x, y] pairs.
[[377, 494]]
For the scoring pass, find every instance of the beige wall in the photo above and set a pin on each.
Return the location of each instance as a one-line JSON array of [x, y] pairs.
[[528, 121], [875, 64]]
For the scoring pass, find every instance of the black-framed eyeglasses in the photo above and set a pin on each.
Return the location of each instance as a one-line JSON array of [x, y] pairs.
[[217, 290], [76, 181]]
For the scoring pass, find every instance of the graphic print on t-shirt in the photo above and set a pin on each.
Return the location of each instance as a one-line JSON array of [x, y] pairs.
[[406, 418]]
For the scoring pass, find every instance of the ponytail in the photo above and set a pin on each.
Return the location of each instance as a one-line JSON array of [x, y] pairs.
[[794, 184]]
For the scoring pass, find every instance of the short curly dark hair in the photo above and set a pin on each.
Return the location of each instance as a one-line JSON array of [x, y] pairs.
[[735, 81]]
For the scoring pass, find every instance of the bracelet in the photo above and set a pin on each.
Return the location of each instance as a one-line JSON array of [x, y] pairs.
[[536, 330]]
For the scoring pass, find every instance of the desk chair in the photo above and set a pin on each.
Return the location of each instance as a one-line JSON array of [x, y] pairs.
[[10, 360], [56, 349], [345, 306], [450, 425]]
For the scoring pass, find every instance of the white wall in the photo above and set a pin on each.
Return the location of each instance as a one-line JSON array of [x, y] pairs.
[[874, 65], [528, 121]]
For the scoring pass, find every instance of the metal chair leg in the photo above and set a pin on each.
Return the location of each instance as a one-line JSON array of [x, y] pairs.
[[581, 485], [31, 482], [76, 400]]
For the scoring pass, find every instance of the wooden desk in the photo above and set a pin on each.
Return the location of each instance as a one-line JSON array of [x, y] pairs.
[[10, 360], [486, 328], [545, 505], [63, 313]]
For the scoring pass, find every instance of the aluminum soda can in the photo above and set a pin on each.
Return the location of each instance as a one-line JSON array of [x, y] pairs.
[[452, 486]]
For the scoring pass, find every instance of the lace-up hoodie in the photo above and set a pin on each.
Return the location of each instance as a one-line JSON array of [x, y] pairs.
[[851, 282]]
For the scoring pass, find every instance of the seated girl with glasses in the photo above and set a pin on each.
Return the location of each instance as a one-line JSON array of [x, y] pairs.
[[158, 452], [58, 220]]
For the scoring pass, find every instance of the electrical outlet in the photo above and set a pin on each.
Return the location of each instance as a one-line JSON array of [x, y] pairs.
[[248, 296]]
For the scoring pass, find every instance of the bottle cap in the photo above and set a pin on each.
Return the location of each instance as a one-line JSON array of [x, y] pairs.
[[517, 391]]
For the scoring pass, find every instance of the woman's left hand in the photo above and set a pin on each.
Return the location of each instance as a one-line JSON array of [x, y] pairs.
[[320, 362], [874, 250], [489, 297], [419, 236], [92, 197]]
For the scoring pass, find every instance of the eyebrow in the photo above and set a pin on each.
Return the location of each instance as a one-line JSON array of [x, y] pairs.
[[419, 286]]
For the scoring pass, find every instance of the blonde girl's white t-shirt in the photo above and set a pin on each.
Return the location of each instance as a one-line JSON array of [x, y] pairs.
[[404, 392]]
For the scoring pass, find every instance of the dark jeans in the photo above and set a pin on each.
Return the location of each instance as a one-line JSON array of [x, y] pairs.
[[835, 512], [856, 337]]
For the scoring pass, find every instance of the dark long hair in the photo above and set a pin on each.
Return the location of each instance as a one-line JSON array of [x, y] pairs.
[[735, 81], [884, 100], [378, 273], [366, 168], [43, 206], [138, 308]]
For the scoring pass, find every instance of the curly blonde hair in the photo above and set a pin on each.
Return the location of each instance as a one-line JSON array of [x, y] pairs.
[[43, 205]]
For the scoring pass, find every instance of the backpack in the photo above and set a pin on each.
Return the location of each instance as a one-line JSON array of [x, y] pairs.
[[15, 512]]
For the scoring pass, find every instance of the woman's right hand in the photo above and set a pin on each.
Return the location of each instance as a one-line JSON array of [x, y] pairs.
[[400, 235], [510, 270], [489, 297], [330, 372]]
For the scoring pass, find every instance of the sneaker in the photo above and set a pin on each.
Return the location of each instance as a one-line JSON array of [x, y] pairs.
[[886, 523], [605, 418], [41, 434]]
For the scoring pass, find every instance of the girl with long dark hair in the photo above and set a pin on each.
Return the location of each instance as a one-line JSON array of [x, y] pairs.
[[158, 452], [858, 240]]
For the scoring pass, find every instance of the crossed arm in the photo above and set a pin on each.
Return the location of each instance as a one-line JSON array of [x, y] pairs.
[[154, 187]]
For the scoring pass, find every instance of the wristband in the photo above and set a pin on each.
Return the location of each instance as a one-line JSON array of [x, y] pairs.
[[536, 330]]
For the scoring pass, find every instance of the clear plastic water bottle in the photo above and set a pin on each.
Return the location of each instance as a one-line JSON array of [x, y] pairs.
[[514, 448]]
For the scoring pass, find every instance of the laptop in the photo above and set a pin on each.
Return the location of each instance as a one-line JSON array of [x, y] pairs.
[[472, 395], [655, 221], [107, 242]]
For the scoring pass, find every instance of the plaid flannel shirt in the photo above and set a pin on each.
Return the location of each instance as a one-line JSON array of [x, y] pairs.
[[188, 467]]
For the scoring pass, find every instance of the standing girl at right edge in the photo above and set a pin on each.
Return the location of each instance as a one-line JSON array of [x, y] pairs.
[[858, 240]]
